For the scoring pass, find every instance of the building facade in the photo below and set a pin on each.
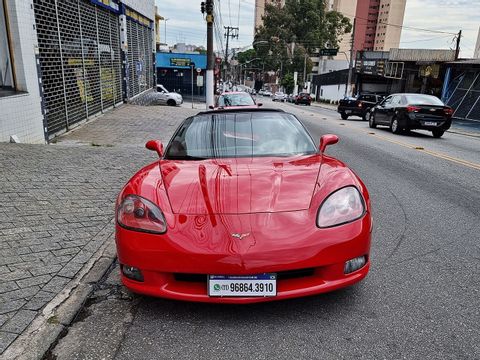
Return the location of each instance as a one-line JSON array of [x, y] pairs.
[[377, 28], [397, 70], [179, 71], [77, 59], [20, 101], [260, 10]]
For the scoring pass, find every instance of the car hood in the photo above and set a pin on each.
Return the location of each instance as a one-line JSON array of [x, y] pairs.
[[241, 185]]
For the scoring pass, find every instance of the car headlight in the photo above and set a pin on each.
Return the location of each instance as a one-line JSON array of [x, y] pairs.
[[341, 207], [139, 214]]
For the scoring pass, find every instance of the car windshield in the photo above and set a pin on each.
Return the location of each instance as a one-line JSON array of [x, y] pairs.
[[246, 134], [415, 99], [242, 99]]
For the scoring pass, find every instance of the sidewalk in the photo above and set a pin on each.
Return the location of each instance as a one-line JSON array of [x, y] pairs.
[[56, 219], [459, 126]]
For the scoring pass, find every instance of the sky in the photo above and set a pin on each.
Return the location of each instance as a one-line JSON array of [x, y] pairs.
[[186, 23]]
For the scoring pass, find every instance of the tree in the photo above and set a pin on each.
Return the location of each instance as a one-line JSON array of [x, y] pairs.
[[295, 31], [247, 55], [288, 83]]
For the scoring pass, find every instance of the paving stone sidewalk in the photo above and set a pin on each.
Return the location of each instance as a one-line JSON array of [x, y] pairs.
[[57, 204]]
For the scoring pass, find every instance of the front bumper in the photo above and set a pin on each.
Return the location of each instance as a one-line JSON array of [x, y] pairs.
[[168, 265]]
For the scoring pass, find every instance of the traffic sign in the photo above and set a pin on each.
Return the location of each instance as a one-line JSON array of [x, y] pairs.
[[328, 52], [199, 70]]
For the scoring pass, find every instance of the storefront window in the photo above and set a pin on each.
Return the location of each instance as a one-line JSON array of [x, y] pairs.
[[7, 80]]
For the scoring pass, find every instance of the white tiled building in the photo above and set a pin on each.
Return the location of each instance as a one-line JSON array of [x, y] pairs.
[[20, 101], [63, 62]]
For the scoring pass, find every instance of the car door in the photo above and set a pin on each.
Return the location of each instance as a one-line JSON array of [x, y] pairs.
[[391, 109], [381, 111]]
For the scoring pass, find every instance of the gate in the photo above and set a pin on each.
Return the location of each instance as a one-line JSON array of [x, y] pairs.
[[79, 52]]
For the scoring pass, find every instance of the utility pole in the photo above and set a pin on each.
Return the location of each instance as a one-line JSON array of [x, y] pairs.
[[457, 49], [350, 64], [231, 32], [207, 7]]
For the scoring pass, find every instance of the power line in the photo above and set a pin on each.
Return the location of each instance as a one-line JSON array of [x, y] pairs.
[[238, 15], [422, 40], [386, 23]]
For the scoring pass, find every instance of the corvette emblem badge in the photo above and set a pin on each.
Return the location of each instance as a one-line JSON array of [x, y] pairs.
[[240, 236]]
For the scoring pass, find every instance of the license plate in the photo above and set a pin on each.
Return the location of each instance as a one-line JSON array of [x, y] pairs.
[[430, 123], [348, 111], [261, 285]]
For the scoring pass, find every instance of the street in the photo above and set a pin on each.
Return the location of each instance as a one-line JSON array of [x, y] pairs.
[[421, 299]]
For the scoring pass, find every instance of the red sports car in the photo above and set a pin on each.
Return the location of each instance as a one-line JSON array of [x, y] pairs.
[[242, 207]]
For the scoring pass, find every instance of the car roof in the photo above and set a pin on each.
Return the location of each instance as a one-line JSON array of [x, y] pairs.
[[415, 94], [233, 92], [239, 111]]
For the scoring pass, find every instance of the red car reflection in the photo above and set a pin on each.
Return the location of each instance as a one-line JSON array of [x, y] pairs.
[[243, 207]]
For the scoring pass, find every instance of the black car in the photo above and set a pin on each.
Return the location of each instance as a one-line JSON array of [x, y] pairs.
[[303, 98], [359, 106], [405, 112]]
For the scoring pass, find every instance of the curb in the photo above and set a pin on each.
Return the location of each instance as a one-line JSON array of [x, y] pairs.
[[59, 313], [465, 133]]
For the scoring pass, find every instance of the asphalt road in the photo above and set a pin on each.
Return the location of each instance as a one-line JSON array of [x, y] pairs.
[[421, 299]]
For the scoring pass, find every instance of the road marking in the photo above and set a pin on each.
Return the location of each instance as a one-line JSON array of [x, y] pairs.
[[430, 152], [439, 155]]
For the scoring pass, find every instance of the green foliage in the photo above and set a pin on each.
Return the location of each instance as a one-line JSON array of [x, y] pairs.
[[288, 83], [247, 55], [295, 31]]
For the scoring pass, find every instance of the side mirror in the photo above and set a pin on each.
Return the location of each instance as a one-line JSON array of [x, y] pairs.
[[155, 145], [211, 107], [326, 140], [260, 104]]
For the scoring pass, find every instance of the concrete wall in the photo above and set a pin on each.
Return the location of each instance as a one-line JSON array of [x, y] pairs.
[[144, 7], [326, 66], [331, 92], [21, 114]]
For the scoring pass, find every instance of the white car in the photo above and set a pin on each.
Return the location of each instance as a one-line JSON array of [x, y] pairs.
[[169, 98], [279, 96], [267, 93]]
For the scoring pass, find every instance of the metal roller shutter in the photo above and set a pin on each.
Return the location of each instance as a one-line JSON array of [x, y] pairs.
[[139, 58], [79, 51]]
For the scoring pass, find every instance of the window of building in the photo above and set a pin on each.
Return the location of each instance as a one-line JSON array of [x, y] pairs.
[[7, 73]]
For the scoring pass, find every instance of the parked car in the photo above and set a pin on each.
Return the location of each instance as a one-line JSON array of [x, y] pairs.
[[167, 97], [267, 93], [291, 98], [279, 96], [405, 112], [358, 106], [303, 98], [261, 92], [238, 99], [208, 221]]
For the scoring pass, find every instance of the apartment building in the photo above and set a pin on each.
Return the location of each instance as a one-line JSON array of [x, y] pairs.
[[260, 10], [378, 24], [377, 28]]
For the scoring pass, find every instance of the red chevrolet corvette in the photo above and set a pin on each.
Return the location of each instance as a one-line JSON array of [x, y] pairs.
[[242, 207]]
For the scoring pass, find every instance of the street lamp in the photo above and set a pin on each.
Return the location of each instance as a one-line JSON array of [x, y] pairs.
[[166, 31], [245, 63]]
